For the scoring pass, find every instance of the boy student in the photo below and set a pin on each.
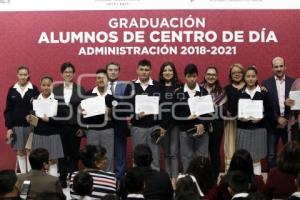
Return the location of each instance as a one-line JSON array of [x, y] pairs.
[[143, 125], [198, 143]]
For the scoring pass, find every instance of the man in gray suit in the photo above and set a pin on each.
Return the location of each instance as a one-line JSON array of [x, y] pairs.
[[120, 126], [69, 96], [278, 87], [40, 181]]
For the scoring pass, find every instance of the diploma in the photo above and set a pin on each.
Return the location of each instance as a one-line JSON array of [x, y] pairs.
[[295, 95], [93, 106], [201, 105], [45, 107], [250, 108], [147, 104]]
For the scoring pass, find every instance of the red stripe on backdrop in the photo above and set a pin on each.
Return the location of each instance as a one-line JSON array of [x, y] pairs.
[[20, 32]]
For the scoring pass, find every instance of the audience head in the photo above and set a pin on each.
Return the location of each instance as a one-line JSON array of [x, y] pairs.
[[191, 75], [188, 182], [94, 157], [236, 73], [23, 75], [238, 182], [67, 71], [39, 159], [83, 184], [201, 168], [8, 181], [135, 181], [288, 159], [142, 155], [242, 161]]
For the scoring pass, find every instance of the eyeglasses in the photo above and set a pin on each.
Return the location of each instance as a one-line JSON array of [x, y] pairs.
[[212, 75], [278, 65], [234, 73]]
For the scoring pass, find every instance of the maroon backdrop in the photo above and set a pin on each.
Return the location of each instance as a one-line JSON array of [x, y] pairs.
[[20, 32]]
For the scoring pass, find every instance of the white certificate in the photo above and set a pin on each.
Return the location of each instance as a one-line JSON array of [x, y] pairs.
[[295, 95], [93, 106], [147, 104], [250, 108], [45, 107], [201, 105]]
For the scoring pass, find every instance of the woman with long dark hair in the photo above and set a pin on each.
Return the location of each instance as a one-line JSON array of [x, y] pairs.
[[169, 80], [281, 179], [241, 161]]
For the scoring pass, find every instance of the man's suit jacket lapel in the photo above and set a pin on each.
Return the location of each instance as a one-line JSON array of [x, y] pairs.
[[60, 93], [74, 93], [288, 85]]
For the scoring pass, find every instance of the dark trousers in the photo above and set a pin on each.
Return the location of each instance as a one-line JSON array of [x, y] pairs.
[[273, 137], [120, 131], [71, 146], [215, 138]]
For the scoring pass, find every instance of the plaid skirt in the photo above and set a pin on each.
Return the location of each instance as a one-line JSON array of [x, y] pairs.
[[22, 134], [50, 142], [254, 141]]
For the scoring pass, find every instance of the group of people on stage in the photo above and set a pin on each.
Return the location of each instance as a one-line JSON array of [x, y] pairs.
[[61, 135]]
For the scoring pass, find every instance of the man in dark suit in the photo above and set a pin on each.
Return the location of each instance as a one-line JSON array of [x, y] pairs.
[[40, 181], [278, 87], [120, 126], [69, 96]]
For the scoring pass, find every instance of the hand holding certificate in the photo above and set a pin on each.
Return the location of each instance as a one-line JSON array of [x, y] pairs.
[[45, 107], [149, 105], [250, 109], [93, 106], [201, 105], [295, 95]]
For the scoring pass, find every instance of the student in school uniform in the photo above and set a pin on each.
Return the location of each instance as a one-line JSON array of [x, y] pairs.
[[169, 80], [18, 106], [238, 185], [46, 134], [197, 145], [69, 95], [100, 127], [143, 125], [251, 132]]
